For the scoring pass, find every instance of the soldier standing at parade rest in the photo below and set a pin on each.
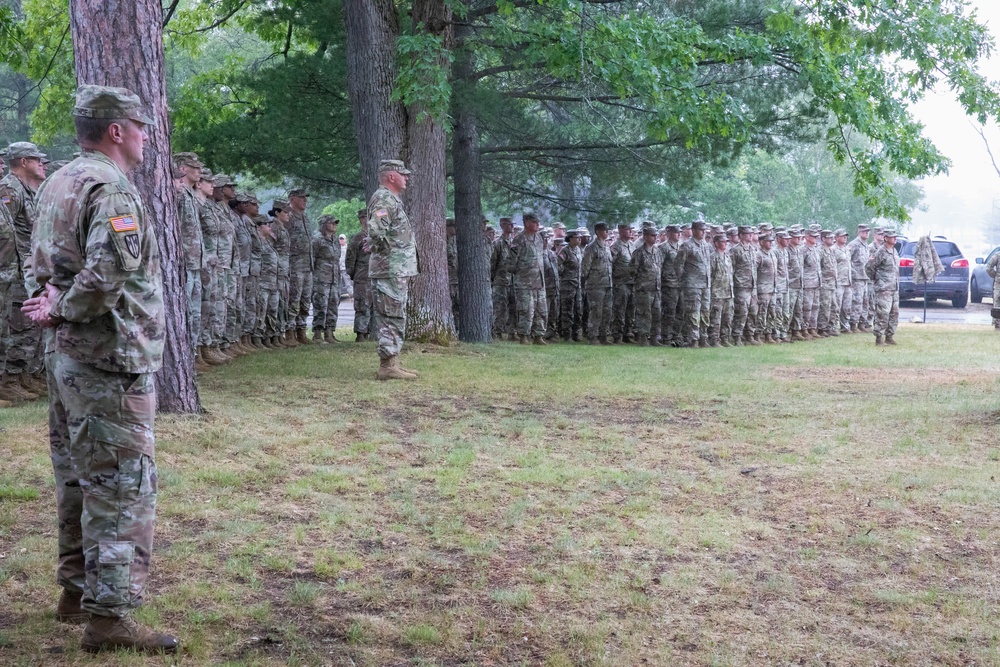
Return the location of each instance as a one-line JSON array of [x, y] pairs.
[[596, 281], [883, 270], [100, 295], [693, 269], [356, 266], [11, 392], [392, 264]]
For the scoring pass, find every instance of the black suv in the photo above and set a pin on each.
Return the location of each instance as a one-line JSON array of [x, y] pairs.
[[952, 284]]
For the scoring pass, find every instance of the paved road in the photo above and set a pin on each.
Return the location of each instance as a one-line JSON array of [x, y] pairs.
[[942, 312]]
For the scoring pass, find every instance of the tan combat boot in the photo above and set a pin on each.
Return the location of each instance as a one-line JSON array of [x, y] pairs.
[[403, 368], [109, 633], [878, 341], [276, 342], [889, 340], [200, 365], [11, 390], [330, 336], [318, 336], [210, 357], [388, 369], [540, 340], [289, 339], [219, 356], [302, 337], [68, 610], [32, 384]]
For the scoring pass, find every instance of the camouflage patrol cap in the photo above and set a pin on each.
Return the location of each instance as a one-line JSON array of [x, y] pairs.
[[572, 233], [687, 225], [298, 192], [784, 235], [279, 204], [205, 174], [796, 234], [648, 230], [506, 221], [814, 227], [765, 237], [813, 233], [624, 225], [826, 233], [744, 229], [491, 229], [719, 237], [863, 227], [221, 181], [328, 220], [556, 225], [393, 165], [23, 149], [187, 159], [840, 231], [109, 103], [260, 220], [673, 228], [599, 226], [878, 230], [890, 232]]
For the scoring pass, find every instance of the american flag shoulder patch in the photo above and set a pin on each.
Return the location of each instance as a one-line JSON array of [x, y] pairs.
[[381, 213], [5, 199], [124, 223]]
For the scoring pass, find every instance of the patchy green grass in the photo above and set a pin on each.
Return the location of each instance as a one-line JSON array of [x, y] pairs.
[[809, 504]]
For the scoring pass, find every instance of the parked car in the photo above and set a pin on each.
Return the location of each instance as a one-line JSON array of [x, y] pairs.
[[952, 285], [981, 283]]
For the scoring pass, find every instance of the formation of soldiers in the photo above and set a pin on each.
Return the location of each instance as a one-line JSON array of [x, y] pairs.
[[692, 285]]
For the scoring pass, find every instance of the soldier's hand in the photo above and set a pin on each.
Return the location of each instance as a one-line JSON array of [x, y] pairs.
[[39, 308], [366, 245]]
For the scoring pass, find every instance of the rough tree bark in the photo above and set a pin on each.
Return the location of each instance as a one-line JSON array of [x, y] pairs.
[[475, 295], [121, 44]]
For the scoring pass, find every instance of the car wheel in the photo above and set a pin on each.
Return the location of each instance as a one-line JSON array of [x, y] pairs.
[[976, 295], [961, 301]]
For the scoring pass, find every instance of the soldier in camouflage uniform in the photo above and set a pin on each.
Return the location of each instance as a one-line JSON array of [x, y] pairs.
[[810, 286], [861, 302], [356, 267], [671, 307], [766, 279], [645, 267], [22, 342], [694, 270], [570, 297], [248, 208], [845, 296], [267, 297], [452, 255], [95, 259], [300, 264], [11, 391], [189, 166], [326, 280], [623, 306], [744, 287], [500, 280], [828, 316], [282, 214], [228, 265], [596, 281], [393, 263], [212, 273], [550, 267], [780, 328], [992, 268], [877, 242], [721, 315], [526, 266], [883, 270], [793, 308]]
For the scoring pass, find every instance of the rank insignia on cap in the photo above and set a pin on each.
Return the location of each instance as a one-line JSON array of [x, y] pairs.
[[381, 213], [124, 223]]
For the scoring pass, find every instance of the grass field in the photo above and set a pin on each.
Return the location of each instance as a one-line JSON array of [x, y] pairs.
[[824, 503]]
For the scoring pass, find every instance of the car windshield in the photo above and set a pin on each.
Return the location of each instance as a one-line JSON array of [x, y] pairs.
[[943, 248]]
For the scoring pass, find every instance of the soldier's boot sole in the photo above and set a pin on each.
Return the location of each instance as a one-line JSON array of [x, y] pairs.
[[107, 633], [68, 610]]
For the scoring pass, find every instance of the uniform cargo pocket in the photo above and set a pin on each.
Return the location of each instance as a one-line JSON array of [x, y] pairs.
[[114, 576]]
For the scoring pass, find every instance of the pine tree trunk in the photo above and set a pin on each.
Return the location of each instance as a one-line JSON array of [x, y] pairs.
[[475, 294], [121, 44]]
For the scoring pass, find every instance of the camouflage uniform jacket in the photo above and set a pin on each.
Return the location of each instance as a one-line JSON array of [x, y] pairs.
[[570, 260], [992, 266], [93, 242], [10, 263], [551, 267], [780, 270], [452, 250], [883, 270], [843, 266], [256, 246], [226, 244], [394, 249], [810, 267], [828, 268], [766, 271], [646, 266], [243, 242], [499, 259], [268, 261], [281, 244], [356, 260], [211, 230], [694, 264], [744, 267], [19, 200], [326, 258], [300, 257], [722, 275], [860, 253], [526, 263], [795, 267], [190, 224], [595, 271], [668, 270], [621, 258]]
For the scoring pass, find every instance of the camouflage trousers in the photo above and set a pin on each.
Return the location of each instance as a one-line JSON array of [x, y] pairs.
[[599, 314], [810, 307], [827, 320], [193, 290], [767, 314], [502, 323], [250, 293], [743, 316], [326, 305], [697, 309], [389, 314], [570, 310], [870, 313], [793, 309], [20, 340], [861, 302], [532, 311], [886, 312], [720, 320], [299, 295], [362, 306], [552, 306], [453, 293], [671, 315], [231, 294], [845, 301], [102, 450], [213, 307], [266, 324], [623, 305], [996, 301], [647, 314], [780, 328], [283, 286]]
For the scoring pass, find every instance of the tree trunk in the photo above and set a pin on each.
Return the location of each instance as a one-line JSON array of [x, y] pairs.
[[121, 44], [429, 316], [475, 295], [379, 123]]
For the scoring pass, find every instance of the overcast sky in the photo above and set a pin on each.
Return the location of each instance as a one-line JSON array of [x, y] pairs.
[[960, 204]]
